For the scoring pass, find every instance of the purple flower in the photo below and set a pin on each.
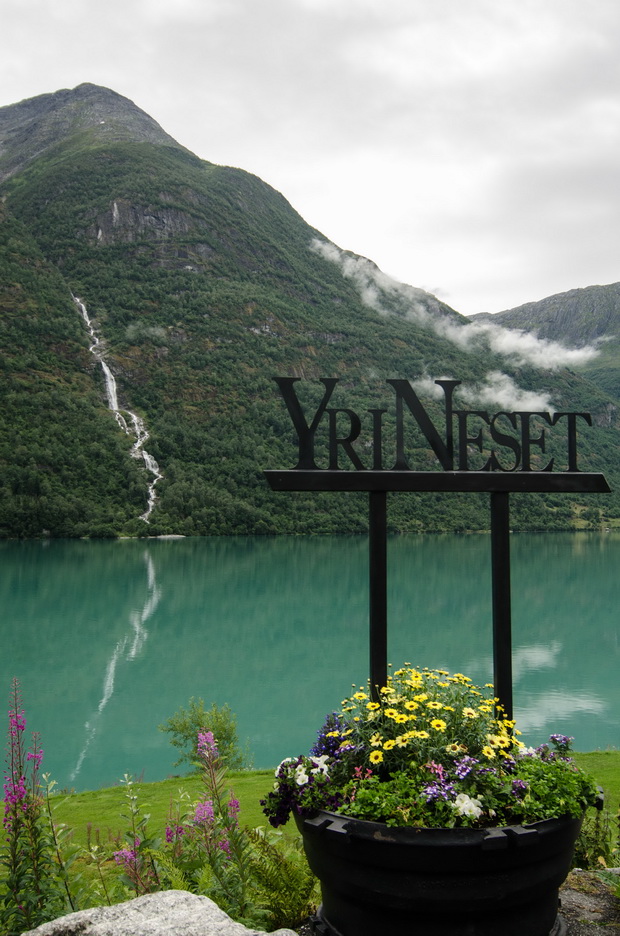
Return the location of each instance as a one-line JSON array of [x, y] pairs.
[[204, 812], [36, 756], [233, 808], [334, 726], [17, 722], [174, 833], [562, 744], [464, 766], [207, 747], [438, 790], [126, 857]]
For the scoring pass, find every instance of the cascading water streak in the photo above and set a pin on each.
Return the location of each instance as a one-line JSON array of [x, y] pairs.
[[124, 651], [136, 426]]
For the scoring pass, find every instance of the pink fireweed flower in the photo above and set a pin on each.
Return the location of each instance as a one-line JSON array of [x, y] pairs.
[[126, 857], [15, 800], [36, 756], [207, 747], [203, 812], [233, 808], [17, 722], [174, 833]]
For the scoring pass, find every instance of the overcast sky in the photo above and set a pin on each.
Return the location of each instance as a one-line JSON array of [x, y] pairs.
[[468, 147]]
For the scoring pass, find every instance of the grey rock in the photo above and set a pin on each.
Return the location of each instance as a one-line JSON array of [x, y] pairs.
[[166, 913]]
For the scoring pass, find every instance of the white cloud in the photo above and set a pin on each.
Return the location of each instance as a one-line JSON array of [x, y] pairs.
[[499, 389], [376, 288]]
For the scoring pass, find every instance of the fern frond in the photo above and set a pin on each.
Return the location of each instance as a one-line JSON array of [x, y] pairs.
[[171, 876]]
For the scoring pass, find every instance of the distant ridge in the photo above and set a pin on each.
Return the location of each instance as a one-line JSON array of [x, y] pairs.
[[577, 316]]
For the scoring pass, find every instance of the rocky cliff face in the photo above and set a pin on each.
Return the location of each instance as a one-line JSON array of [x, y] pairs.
[[32, 127]]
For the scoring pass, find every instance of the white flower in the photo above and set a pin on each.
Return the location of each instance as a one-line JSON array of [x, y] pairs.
[[320, 764], [301, 776], [466, 806], [286, 760]]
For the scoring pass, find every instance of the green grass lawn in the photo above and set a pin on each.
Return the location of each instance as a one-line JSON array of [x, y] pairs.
[[98, 814], [605, 768]]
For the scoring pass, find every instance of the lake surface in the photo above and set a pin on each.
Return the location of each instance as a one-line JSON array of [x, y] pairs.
[[109, 639]]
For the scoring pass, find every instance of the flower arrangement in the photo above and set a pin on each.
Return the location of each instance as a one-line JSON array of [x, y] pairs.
[[435, 751]]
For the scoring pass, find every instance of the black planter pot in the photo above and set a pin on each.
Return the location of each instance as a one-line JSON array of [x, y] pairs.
[[381, 881]]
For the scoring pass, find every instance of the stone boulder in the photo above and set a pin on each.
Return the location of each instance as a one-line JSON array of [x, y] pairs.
[[166, 913]]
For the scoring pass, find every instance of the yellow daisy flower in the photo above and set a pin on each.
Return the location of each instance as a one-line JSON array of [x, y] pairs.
[[376, 757], [438, 724], [488, 751]]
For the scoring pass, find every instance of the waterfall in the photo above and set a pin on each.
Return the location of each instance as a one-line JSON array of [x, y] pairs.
[[136, 424]]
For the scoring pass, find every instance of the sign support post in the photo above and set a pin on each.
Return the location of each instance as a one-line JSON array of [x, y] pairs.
[[377, 579], [501, 598]]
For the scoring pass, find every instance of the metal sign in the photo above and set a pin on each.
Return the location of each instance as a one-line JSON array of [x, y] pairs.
[[504, 443]]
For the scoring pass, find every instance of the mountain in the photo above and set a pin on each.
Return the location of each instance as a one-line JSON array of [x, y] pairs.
[[31, 128], [198, 284], [578, 317]]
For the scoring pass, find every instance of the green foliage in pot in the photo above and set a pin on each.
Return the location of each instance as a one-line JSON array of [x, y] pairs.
[[434, 751]]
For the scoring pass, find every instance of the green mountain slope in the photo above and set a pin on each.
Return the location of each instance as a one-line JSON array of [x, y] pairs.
[[577, 317], [64, 466], [204, 283]]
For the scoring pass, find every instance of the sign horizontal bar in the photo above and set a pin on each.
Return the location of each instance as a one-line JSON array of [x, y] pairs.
[[547, 482]]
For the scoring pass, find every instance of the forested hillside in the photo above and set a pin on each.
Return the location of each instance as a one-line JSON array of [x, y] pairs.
[[203, 283]]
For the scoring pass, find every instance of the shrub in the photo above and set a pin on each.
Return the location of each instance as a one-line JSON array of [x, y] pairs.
[[186, 724]]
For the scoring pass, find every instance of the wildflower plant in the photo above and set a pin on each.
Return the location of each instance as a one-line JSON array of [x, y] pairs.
[[139, 870], [30, 893], [255, 879], [432, 750]]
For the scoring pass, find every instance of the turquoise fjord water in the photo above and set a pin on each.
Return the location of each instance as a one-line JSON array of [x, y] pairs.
[[108, 639]]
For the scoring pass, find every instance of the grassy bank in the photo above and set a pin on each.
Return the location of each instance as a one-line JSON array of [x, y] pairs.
[[97, 815]]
